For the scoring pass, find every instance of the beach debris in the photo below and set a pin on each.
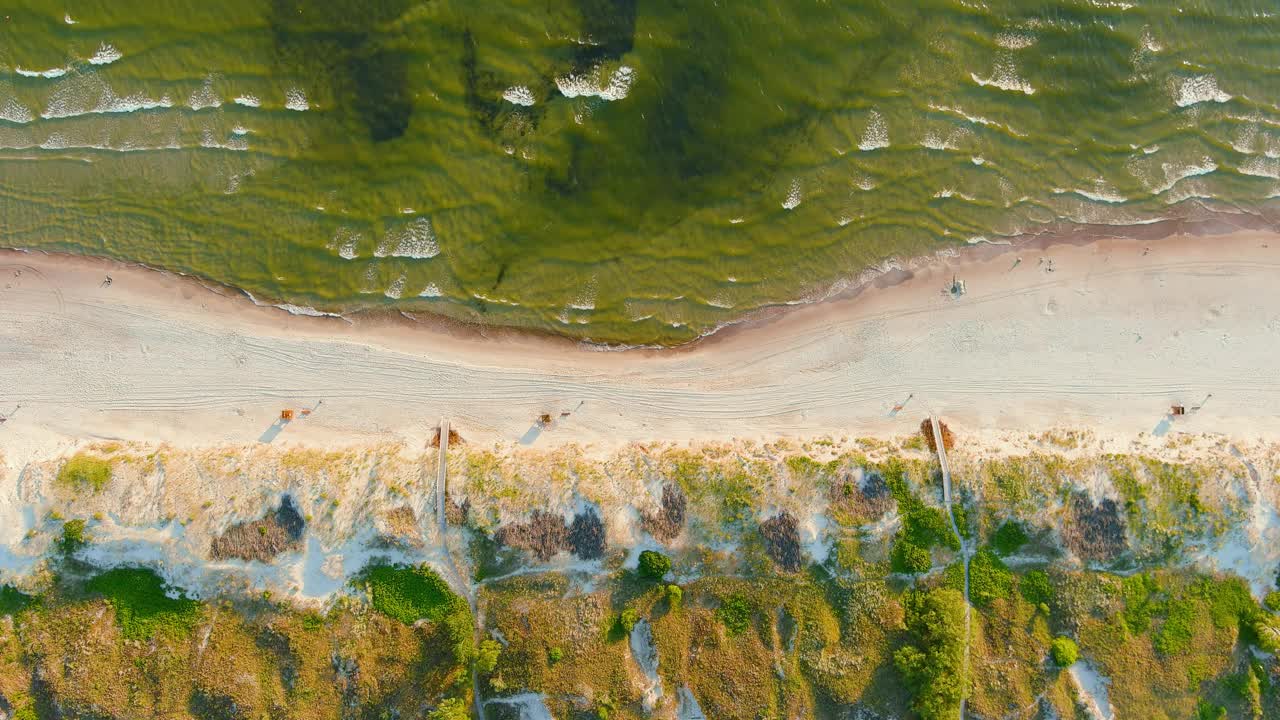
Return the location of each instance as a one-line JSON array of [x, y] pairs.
[[948, 439]]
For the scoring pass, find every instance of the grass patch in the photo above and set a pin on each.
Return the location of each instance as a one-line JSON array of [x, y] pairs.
[[83, 471], [143, 609], [933, 665]]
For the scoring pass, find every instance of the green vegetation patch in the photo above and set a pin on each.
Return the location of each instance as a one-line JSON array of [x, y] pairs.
[[13, 600], [74, 536], [142, 603], [410, 593], [1064, 651], [735, 613], [84, 471], [1036, 587], [654, 565], [989, 578], [1009, 537], [933, 664]]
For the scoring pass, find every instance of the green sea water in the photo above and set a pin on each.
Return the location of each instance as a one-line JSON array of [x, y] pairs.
[[613, 170]]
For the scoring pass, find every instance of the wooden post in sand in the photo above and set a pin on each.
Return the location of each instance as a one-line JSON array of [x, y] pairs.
[[441, 467]]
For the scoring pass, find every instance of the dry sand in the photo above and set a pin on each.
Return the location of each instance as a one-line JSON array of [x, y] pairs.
[[1105, 335]]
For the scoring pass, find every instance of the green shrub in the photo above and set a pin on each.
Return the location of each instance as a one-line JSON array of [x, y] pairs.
[[1272, 601], [1036, 588], [487, 656], [81, 471], [143, 609], [555, 655], [627, 619], [654, 565], [73, 537], [735, 613], [933, 664], [989, 578], [450, 709], [1064, 651], [1009, 537], [1209, 711], [909, 558], [1140, 601], [26, 712], [675, 596], [12, 600]]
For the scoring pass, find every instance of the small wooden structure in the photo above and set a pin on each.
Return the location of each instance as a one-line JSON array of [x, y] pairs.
[[1178, 410], [286, 415]]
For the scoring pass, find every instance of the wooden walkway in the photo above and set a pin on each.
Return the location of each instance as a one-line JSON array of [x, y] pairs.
[[441, 473], [965, 550]]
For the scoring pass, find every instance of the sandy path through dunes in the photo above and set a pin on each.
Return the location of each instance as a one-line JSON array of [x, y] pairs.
[[1105, 334]]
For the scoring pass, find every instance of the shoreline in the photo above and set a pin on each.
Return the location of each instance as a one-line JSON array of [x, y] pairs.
[[891, 272], [1107, 332]]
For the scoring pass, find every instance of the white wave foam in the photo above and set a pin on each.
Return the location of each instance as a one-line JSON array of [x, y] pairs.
[[247, 100], [1198, 89], [876, 135], [413, 239], [50, 73], [794, 196], [76, 98], [430, 291], [1005, 77], [588, 84], [586, 300], [204, 96], [346, 241], [1262, 167], [67, 19], [15, 112], [396, 290], [976, 119], [1175, 173], [106, 55], [1015, 40], [240, 130], [518, 95], [236, 142], [295, 99]]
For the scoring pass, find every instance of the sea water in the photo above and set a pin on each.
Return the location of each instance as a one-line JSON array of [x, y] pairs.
[[621, 171]]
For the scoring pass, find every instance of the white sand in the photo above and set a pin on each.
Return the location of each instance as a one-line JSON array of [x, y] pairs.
[[1108, 340]]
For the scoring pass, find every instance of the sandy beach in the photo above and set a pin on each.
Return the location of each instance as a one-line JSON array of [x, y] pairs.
[[1107, 335]]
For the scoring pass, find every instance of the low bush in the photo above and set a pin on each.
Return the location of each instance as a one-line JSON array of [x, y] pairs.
[[1009, 537], [413, 593], [1064, 651], [627, 619], [1036, 588], [909, 558], [450, 709], [73, 537], [12, 600], [654, 565], [933, 664], [989, 578], [675, 596], [735, 613]]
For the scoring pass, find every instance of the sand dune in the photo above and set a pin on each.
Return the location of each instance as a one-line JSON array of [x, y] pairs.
[[1107, 334]]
